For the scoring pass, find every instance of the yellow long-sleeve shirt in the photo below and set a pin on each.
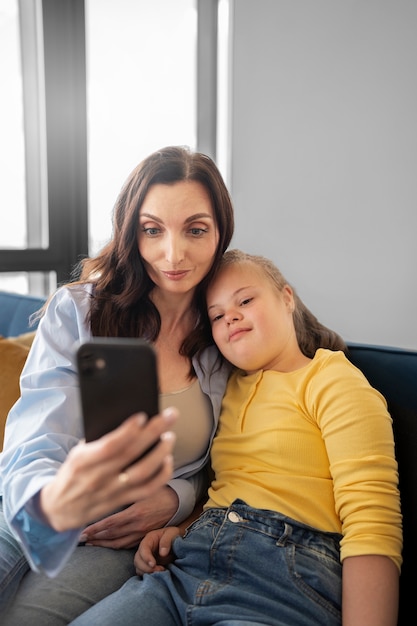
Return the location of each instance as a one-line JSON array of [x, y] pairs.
[[315, 444]]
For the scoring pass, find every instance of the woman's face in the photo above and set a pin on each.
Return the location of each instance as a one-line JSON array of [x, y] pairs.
[[177, 235]]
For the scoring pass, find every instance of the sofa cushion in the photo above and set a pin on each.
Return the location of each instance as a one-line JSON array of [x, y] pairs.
[[16, 311], [13, 353], [393, 371]]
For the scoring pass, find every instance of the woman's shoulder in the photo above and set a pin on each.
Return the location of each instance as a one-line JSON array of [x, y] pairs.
[[73, 291], [67, 309], [212, 371], [74, 295]]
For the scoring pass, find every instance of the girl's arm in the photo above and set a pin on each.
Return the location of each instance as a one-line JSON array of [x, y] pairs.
[[370, 591]]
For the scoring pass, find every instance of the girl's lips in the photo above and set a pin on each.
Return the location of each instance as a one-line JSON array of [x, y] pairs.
[[175, 275], [237, 333]]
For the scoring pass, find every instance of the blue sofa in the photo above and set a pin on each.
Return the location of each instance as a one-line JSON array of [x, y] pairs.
[[15, 311], [392, 371]]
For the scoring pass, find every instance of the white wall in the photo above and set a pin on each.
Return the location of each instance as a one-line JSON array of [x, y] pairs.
[[323, 155]]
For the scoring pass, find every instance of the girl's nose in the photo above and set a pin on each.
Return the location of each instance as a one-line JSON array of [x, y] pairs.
[[232, 316]]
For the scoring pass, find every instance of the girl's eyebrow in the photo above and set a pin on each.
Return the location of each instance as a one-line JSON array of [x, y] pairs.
[[192, 218], [235, 293]]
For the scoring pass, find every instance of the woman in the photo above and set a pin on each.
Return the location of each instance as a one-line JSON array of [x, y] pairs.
[[303, 522], [172, 222]]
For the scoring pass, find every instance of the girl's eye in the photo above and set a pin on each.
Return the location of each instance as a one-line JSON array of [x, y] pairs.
[[246, 301], [216, 318], [198, 232]]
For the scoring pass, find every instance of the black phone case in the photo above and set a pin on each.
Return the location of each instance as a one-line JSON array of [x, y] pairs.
[[117, 378]]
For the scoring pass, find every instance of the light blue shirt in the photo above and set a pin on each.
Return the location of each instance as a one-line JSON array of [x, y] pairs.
[[46, 422]]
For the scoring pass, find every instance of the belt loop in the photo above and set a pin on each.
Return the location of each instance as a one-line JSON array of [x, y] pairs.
[[285, 535]]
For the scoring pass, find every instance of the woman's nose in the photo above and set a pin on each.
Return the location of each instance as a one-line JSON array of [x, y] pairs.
[[174, 252]]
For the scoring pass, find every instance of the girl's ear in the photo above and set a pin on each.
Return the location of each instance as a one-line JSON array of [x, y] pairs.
[[288, 297]]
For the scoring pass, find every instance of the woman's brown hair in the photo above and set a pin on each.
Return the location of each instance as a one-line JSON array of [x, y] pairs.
[[120, 305]]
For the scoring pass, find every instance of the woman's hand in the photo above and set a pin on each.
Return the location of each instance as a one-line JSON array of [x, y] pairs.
[[155, 550], [126, 528], [98, 478]]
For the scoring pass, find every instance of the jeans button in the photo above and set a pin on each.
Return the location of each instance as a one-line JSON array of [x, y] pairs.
[[233, 517]]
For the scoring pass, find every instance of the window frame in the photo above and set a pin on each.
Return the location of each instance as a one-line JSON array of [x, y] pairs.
[[53, 54]]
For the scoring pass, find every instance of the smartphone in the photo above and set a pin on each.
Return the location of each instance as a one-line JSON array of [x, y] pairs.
[[117, 377]]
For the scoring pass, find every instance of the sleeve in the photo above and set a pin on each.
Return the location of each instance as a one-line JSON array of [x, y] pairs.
[[43, 425], [358, 434], [189, 491]]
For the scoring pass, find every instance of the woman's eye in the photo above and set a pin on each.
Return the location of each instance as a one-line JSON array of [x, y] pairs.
[[197, 232], [151, 231]]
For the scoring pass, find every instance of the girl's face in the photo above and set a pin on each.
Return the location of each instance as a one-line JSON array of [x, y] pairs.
[[177, 235], [252, 323]]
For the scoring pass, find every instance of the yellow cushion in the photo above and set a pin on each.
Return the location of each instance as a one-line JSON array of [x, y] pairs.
[[13, 353]]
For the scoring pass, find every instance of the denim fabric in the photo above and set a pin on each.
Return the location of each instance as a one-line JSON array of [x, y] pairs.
[[90, 575], [13, 564], [235, 567]]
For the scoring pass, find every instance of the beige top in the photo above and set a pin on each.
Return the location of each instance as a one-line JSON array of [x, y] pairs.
[[193, 427]]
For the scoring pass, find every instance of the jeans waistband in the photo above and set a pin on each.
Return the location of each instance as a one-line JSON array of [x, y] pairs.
[[268, 522]]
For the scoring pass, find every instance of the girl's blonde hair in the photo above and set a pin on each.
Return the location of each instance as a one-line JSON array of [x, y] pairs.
[[311, 334]]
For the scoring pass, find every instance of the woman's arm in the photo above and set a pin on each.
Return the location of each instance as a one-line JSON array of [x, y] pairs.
[[43, 435], [370, 591], [175, 502]]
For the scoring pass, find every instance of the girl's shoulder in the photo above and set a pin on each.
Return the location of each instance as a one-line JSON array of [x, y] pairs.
[[334, 367]]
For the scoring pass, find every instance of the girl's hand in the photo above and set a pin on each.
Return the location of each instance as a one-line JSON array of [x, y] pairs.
[[155, 550], [97, 478]]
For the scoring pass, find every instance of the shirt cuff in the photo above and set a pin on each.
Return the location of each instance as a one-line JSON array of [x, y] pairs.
[[46, 549]]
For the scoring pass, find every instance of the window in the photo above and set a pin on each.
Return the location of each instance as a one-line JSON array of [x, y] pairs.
[[13, 232], [141, 95], [90, 87]]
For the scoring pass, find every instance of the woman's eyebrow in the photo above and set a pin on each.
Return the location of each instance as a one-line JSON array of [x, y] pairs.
[[192, 218], [150, 216], [198, 216]]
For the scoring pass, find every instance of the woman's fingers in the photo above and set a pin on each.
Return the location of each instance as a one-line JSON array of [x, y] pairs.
[[97, 477], [131, 440], [146, 476]]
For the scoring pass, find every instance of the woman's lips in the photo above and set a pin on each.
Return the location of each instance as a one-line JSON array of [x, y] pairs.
[[175, 275]]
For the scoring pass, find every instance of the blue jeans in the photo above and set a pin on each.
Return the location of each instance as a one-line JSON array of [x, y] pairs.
[[91, 574], [235, 566], [13, 564]]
